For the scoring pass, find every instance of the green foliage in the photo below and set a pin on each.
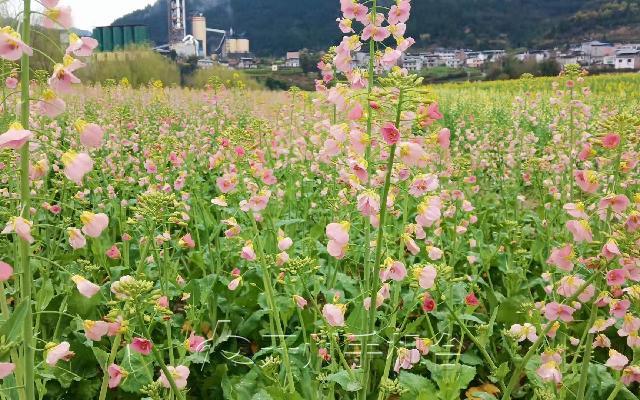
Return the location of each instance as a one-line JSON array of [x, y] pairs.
[[139, 65], [228, 77]]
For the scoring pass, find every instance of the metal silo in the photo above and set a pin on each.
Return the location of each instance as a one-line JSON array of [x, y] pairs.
[[107, 38], [128, 36], [97, 35], [140, 34], [118, 42]]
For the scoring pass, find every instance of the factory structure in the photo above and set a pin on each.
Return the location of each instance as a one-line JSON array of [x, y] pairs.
[[206, 43], [188, 36]]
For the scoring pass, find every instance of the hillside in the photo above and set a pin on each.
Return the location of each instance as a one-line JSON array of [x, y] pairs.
[[276, 26]]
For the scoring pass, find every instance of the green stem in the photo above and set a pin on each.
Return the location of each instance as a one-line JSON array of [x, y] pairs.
[[364, 358], [615, 391], [515, 377], [112, 357], [586, 358], [266, 277], [27, 274], [159, 360]]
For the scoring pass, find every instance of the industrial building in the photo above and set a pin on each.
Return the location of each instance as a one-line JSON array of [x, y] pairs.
[[115, 38]]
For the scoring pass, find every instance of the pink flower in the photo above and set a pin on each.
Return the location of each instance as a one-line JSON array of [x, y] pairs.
[[390, 57], [90, 134], [6, 369], [549, 372], [300, 301], [163, 302], [562, 257], [369, 203], [406, 358], [338, 234], [196, 343], [587, 180], [76, 238], [610, 250], [81, 46], [471, 300], [429, 211], [412, 155], [5, 271], [20, 227], [187, 242], [569, 285], [180, 374], [94, 224], [554, 311], [390, 133], [11, 83], [618, 204], [611, 141], [247, 252], [59, 352], [394, 270], [427, 277], [95, 330], [523, 332], [113, 253], [444, 138], [11, 45], [356, 112], [15, 137], [434, 253], [233, 285], [581, 230], [575, 210], [76, 166], [630, 374], [423, 345], [616, 361], [86, 288], [285, 243], [618, 308], [141, 345], [116, 373], [50, 105], [377, 33], [616, 277], [334, 314], [57, 17], [422, 184], [399, 13]]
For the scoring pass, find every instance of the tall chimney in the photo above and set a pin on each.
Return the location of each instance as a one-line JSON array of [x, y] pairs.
[[200, 31]]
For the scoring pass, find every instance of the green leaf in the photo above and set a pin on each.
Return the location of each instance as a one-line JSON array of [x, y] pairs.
[[346, 381], [44, 296], [451, 378], [418, 387], [12, 328]]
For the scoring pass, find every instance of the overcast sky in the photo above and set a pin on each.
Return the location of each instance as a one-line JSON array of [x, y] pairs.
[[88, 14]]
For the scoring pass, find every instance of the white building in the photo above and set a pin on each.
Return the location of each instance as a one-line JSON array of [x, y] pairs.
[[628, 59], [293, 59], [413, 62]]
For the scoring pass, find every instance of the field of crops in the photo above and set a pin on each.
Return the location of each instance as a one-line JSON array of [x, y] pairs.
[[376, 239]]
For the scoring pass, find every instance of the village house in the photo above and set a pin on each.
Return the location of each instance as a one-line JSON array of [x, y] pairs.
[[628, 59], [292, 60]]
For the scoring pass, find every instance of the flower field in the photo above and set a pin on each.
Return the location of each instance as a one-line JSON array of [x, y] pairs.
[[376, 239]]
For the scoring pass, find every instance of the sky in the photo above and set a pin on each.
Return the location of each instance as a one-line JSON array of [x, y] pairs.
[[88, 14]]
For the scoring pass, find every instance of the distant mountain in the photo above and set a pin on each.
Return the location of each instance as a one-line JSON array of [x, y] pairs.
[[277, 26]]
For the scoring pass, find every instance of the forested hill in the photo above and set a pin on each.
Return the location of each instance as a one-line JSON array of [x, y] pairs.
[[277, 26]]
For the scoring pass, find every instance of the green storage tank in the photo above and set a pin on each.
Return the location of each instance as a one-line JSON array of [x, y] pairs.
[[118, 40], [128, 36], [140, 34], [107, 38], [97, 35]]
